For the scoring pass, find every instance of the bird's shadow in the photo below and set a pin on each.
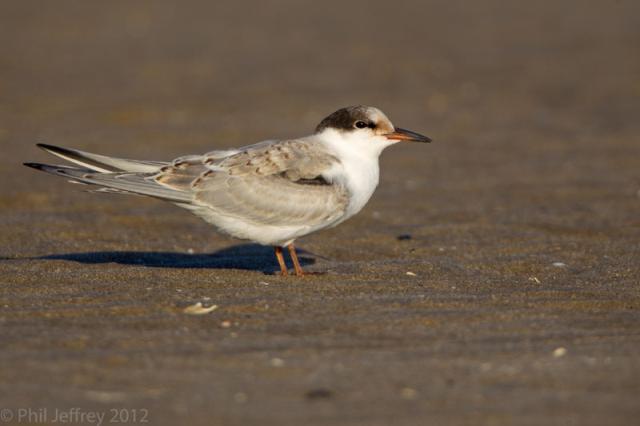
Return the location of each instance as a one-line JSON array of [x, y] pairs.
[[252, 257]]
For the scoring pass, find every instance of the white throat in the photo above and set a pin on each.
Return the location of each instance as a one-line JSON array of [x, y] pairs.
[[359, 170]]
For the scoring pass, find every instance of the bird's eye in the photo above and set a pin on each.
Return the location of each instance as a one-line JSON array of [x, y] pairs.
[[361, 124]]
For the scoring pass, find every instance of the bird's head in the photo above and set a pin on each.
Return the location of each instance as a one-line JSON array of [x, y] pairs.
[[366, 128]]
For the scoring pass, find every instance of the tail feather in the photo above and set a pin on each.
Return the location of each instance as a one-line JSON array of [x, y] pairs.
[[102, 163], [123, 182]]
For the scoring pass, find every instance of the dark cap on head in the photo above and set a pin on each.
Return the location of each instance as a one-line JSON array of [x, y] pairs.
[[368, 121], [344, 118]]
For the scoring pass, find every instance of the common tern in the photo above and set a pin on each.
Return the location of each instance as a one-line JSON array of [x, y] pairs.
[[272, 192]]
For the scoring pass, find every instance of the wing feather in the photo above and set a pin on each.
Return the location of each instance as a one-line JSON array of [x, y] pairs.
[[273, 183], [278, 183]]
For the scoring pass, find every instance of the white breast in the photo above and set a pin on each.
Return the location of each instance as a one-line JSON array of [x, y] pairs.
[[361, 177], [359, 170]]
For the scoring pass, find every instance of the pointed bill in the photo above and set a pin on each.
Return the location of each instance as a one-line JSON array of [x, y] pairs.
[[405, 135]]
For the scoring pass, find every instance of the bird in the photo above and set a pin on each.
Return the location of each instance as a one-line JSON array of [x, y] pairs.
[[272, 192]]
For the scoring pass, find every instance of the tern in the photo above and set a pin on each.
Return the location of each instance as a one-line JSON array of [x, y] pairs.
[[272, 192]]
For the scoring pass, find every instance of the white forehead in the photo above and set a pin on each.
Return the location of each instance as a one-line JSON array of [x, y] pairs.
[[376, 115]]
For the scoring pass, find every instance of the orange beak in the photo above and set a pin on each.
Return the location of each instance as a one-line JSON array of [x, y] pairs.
[[399, 134]]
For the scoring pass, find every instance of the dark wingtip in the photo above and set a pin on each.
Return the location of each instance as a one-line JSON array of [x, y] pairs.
[[36, 166], [47, 147]]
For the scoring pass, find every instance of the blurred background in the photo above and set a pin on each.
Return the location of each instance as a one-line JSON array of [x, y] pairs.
[[534, 111], [535, 97]]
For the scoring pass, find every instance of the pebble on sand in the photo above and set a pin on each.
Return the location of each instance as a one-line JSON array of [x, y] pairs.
[[240, 397], [559, 352], [277, 362], [409, 393]]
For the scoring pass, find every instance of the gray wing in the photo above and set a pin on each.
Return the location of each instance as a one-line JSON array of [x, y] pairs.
[[280, 183], [128, 183], [277, 183], [111, 174], [101, 163]]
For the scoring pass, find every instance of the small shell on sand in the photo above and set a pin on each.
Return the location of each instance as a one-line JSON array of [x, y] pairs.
[[198, 309]]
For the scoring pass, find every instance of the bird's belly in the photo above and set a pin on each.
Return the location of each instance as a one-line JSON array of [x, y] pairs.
[[264, 234]]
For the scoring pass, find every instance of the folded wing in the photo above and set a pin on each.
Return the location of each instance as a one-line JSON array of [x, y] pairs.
[[275, 183], [278, 183]]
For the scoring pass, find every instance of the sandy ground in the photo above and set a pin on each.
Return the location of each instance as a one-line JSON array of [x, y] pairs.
[[521, 222]]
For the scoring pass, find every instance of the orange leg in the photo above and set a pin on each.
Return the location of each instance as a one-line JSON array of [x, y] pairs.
[[280, 257], [294, 258]]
